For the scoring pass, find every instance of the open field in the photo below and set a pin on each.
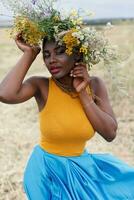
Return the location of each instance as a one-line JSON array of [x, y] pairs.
[[19, 127]]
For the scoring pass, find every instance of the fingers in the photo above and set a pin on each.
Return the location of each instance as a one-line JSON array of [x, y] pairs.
[[18, 37], [81, 86], [79, 71], [37, 49], [24, 46], [80, 64], [76, 74]]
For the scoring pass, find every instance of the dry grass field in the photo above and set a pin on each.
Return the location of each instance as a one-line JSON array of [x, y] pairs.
[[19, 127]]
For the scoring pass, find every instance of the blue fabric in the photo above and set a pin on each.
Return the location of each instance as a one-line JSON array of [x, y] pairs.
[[85, 177]]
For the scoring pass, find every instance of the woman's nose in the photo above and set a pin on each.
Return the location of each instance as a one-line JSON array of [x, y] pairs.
[[52, 58]]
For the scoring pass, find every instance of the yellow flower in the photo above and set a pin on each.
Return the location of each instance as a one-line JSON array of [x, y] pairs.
[[70, 41], [83, 50], [69, 51], [28, 29]]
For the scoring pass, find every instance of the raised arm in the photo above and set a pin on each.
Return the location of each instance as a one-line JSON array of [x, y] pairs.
[[100, 114], [12, 88]]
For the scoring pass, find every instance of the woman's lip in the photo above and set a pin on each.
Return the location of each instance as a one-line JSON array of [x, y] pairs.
[[55, 70]]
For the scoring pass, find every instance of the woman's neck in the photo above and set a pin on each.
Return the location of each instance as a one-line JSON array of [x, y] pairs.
[[66, 83], [66, 80]]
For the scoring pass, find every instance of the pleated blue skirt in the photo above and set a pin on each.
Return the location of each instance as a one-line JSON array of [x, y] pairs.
[[86, 177]]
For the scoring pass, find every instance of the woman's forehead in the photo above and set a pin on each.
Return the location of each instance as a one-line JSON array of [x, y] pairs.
[[50, 45]]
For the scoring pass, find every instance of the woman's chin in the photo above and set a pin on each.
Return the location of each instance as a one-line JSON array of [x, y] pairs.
[[58, 75]]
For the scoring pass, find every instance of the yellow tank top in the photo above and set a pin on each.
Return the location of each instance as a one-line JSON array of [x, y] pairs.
[[63, 124]]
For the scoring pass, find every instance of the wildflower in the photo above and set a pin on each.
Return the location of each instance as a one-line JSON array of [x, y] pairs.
[[28, 29], [84, 50], [79, 20], [70, 41], [35, 22], [73, 13]]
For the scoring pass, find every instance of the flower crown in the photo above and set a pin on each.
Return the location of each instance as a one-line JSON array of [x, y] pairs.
[[36, 19]]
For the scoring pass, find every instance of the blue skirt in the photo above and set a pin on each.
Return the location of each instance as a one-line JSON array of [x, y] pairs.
[[85, 177]]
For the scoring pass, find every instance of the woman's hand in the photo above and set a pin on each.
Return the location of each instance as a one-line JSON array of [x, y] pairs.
[[81, 76], [25, 47]]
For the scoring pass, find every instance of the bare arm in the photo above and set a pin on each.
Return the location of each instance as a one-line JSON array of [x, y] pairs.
[[12, 88], [100, 114]]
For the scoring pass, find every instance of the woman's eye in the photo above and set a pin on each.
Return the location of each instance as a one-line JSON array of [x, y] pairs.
[[46, 55], [60, 50]]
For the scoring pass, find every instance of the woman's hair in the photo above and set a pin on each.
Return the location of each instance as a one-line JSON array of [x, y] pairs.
[[45, 39]]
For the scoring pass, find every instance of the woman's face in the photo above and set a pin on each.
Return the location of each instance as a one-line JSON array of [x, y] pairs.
[[58, 63]]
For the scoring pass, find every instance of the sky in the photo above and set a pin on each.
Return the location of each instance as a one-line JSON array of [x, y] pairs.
[[102, 8]]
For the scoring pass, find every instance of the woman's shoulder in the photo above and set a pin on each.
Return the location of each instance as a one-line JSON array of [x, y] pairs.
[[96, 82], [39, 81], [98, 85], [36, 79], [42, 83]]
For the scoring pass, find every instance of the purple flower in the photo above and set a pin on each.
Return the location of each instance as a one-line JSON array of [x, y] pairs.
[[34, 2]]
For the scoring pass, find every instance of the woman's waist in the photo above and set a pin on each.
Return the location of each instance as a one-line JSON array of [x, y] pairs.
[[65, 148]]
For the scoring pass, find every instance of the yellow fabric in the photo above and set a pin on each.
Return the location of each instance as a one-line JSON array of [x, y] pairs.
[[63, 124]]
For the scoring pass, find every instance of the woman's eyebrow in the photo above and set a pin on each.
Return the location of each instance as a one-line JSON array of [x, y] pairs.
[[58, 47], [46, 50]]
